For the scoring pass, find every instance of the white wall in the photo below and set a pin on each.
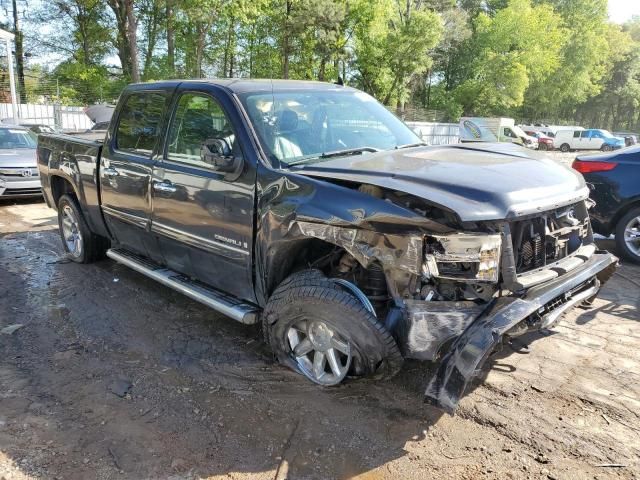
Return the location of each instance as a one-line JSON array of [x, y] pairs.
[[436, 133], [68, 118]]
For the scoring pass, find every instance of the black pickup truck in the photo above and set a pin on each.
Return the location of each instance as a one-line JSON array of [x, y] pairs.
[[312, 209]]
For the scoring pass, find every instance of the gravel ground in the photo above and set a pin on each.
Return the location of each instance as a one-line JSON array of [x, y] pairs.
[[115, 376]]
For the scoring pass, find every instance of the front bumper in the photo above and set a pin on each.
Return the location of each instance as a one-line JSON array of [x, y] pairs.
[[540, 307], [19, 182]]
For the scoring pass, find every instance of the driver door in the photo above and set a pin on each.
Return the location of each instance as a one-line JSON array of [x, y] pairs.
[[203, 220]]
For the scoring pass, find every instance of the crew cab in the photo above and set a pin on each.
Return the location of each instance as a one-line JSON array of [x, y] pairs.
[[310, 208]]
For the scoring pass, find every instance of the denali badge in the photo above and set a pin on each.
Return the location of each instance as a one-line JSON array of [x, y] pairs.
[[26, 172], [230, 241]]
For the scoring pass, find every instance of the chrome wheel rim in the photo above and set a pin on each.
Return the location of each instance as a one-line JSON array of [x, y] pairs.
[[632, 235], [322, 354], [71, 231]]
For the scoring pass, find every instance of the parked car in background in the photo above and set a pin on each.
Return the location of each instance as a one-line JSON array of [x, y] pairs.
[[630, 138], [483, 129], [544, 141], [614, 180], [588, 139], [102, 126], [18, 166], [99, 113], [42, 128], [549, 130], [312, 209]]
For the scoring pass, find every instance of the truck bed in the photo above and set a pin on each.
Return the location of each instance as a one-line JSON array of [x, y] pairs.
[[73, 160]]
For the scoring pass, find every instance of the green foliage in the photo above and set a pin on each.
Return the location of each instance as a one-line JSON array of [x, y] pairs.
[[392, 45], [519, 45], [532, 59]]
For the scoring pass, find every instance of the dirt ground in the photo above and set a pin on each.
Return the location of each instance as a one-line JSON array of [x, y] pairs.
[[113, 376]]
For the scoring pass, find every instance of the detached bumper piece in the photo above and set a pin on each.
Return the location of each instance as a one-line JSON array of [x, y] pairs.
[[540, 307]]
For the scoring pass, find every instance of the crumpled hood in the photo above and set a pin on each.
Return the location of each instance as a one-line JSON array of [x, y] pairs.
[[19, 157], [481, 181]]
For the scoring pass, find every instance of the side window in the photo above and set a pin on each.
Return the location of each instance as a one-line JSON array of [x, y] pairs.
[[198, 118], [509, 133], [139, 123], [576, 134], [586, 134]]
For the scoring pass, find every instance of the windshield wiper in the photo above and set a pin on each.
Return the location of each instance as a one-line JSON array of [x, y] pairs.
[[336, 153], [348, 151], [411, 145]]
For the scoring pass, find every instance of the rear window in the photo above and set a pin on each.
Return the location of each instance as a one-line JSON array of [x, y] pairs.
[[139, 123]]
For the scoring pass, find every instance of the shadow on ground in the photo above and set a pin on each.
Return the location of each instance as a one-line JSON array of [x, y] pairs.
[[201, 394]]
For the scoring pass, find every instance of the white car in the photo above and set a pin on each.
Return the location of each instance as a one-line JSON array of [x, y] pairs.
[[590, 139]]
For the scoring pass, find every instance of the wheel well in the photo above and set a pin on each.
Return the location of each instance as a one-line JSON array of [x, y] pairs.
[[298, 255], [621, 213], [60, 186], [334, 262]]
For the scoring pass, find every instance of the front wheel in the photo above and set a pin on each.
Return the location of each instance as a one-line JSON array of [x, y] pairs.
[[543, 147], [628, 235], [606, 148], [322, 331], [78, 241]]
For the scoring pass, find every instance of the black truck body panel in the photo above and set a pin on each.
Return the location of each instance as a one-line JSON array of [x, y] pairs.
[[397, 210]]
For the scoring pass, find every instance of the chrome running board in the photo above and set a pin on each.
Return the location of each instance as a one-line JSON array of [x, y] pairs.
[[242, 312]]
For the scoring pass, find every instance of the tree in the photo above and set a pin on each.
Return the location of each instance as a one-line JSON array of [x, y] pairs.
[[519, 45], [126, 39], [583, 60], [392, 45]]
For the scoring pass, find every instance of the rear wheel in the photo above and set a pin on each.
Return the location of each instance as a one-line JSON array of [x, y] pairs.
[[628, 235], [542, 146], [324, 332], [79, 242], [565, 147]]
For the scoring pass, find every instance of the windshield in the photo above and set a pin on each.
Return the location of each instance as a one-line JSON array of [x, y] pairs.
[[304, 127], [10, 139]]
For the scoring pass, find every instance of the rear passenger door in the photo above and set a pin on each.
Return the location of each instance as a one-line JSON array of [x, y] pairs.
[[204, 219], [126, 166]]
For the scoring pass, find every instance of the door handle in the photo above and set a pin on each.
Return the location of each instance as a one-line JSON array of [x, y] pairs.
[[110, 172], [164, 187]]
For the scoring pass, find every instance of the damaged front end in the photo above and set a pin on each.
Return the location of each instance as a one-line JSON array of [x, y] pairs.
[[540, 307], [453, 296]]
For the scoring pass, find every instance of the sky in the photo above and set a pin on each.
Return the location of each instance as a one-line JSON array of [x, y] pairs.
[[622, 10]]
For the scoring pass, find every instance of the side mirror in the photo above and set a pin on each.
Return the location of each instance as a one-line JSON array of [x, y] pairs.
[[217, 153]]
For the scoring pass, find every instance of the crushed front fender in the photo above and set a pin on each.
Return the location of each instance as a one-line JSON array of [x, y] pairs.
[[471, 349]]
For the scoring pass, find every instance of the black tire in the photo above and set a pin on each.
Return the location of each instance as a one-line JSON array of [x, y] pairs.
[[92, 247], [543, 147], [606, 148], [622, 247], [310, 295], [564, 148]]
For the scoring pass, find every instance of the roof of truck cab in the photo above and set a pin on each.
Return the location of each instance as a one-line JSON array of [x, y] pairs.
[[243, 85]]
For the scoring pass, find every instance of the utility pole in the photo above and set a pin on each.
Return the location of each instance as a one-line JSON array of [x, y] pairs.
[[19, 54]]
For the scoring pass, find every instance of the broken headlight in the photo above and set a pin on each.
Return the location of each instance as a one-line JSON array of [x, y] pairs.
[[463, 257]]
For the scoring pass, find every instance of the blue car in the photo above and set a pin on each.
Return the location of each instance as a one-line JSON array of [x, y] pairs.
[[609, 141], [614, 180]]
